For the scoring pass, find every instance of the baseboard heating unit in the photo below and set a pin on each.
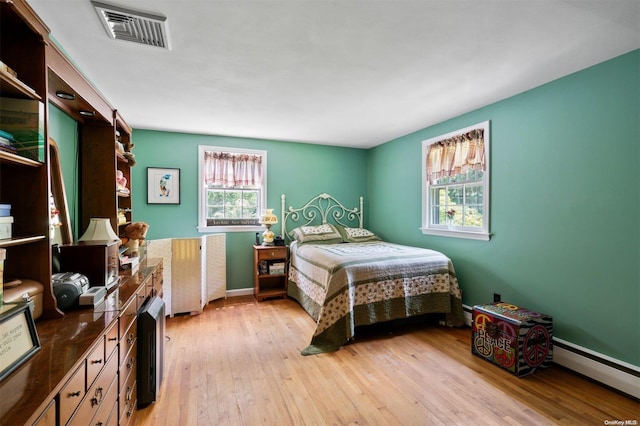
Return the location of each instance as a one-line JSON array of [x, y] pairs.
[[601, 368]]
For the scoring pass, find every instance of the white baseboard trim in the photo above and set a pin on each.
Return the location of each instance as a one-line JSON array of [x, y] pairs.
[[240, 292], [611, 372]]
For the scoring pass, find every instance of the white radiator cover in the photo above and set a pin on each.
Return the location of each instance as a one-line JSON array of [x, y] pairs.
[[194, 273]]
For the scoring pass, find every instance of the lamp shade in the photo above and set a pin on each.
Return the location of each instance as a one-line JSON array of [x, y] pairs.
[[268, 218], [99, 229]]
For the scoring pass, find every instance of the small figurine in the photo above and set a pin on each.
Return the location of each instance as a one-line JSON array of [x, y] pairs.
[[121, 182]]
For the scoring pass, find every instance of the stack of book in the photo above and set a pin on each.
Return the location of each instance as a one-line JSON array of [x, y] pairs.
[[276, 268], [7, 142]]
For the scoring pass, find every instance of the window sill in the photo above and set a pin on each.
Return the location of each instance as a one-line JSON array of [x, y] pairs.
[[482, 236], [238, 228]]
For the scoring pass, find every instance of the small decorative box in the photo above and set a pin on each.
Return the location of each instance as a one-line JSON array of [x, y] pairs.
[[5, 210], [515, 339], [5, 227]]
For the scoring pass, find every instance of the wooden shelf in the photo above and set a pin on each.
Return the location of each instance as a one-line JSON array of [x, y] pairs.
[[21, 240], [272, 275], [11, 87], [269, 285], [9, 158]]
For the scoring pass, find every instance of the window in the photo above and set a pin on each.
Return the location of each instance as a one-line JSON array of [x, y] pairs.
[[232, 188], [455, 183]]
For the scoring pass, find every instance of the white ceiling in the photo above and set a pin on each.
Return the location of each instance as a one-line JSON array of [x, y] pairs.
[[338, 72]]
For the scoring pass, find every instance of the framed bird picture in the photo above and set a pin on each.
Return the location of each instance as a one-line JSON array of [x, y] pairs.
[[163, 185]]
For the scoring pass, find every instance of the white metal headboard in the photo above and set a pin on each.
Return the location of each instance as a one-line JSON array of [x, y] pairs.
[[316, 212]]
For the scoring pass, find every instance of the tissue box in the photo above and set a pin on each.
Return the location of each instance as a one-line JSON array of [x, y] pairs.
[[514, 338], [5, 227]]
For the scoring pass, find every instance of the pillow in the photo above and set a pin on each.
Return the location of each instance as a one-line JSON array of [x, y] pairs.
[[320, 234], [357, 235]]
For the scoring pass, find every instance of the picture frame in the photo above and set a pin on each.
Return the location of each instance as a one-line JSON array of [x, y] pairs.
[[18, 337], [163, 185]]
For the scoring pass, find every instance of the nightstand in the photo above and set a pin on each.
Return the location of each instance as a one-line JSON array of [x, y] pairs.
[[270, 266]]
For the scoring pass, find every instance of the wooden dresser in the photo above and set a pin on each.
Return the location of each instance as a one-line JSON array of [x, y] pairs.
[[85, 371]]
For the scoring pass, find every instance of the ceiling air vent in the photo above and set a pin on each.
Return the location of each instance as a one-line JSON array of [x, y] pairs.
[[131, 25]]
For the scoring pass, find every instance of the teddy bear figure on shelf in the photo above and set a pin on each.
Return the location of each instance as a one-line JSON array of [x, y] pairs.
[[135, 233], [130, 156]]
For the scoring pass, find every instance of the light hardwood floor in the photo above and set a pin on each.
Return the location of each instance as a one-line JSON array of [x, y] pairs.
[[239, 363]]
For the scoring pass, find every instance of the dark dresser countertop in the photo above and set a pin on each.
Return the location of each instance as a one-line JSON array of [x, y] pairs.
[[63, 343]]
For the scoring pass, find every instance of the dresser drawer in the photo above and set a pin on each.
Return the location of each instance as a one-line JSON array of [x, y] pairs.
[[97, 393], [107, 407], [157, 282], [127, 316], [141, 295], [273, 253], [111, 340], [127, 342], [128, 400], [95, 362], [71, 394], [113, 416], [128, 364], [48, 416]]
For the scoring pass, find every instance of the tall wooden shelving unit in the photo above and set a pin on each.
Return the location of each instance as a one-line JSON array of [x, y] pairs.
[[85, 370], [99, 162], [122, 164], [43, 71], [24, 182]]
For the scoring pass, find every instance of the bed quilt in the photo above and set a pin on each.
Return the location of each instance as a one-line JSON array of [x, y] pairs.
[[349, 284]]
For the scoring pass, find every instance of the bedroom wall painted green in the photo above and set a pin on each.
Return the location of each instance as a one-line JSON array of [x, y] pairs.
[[566, 236], [298, 170], [564, 205]]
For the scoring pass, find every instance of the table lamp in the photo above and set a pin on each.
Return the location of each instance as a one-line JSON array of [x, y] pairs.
[[99, 229], [268, 219]]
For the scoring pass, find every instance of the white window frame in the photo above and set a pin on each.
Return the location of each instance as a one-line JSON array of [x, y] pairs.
[[202, 202], [428, 225]]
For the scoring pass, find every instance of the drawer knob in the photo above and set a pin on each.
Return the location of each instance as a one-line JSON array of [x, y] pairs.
[[75, 394], [96, 361]]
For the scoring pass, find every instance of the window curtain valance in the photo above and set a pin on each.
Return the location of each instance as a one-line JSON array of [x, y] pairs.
[[230, 170], [456, 155]]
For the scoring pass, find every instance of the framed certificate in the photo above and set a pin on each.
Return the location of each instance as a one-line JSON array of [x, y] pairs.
[[18, 337]]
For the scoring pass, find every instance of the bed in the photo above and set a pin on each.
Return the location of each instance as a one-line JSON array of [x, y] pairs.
[[344, 276]]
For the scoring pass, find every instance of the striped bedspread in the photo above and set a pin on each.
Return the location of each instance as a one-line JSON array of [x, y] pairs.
[[349, 284]]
